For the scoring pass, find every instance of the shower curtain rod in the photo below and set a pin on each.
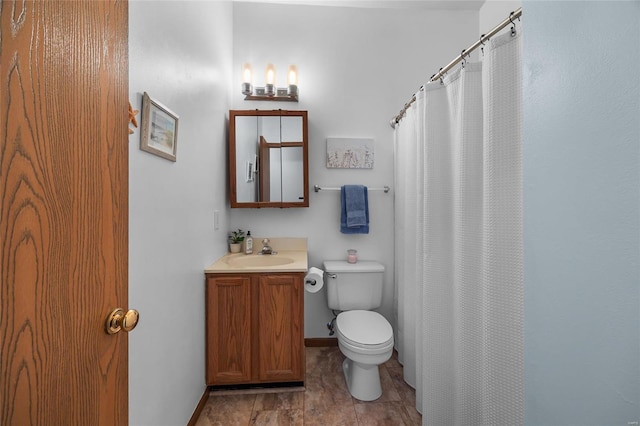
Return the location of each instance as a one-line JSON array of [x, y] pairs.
[[466, 52]]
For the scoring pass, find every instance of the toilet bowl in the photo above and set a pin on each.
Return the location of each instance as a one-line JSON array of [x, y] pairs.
[[365, 338]]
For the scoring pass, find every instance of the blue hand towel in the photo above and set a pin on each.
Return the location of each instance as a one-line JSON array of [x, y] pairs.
[[354, 217]]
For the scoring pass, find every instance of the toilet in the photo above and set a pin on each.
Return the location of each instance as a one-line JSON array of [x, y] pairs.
[[365, 337]]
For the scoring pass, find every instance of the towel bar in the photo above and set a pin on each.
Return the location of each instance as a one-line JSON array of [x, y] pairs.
[[317, 188]]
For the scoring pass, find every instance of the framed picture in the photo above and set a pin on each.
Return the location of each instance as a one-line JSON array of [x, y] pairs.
[[350, 153], [159, 133]]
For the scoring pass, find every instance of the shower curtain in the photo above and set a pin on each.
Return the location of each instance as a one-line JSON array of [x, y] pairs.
[[459, 280]]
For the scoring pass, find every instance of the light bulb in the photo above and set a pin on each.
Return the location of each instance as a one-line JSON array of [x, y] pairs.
[[292, 75], [270, 79], [246, 73], [270, 74], [292, 78], [246, 79]]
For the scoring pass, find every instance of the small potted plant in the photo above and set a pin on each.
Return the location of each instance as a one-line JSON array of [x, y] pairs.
[[235, 241]]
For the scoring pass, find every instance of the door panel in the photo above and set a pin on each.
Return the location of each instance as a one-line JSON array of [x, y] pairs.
[[228, 329], [280, 333], [64, 211]]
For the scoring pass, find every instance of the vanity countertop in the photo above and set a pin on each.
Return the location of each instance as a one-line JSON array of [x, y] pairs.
[[291, 257]]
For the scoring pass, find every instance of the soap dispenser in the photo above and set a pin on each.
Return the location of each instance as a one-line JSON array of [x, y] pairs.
[[248, 244]]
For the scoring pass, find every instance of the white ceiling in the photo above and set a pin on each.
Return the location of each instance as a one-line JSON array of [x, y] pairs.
[[384, 4]]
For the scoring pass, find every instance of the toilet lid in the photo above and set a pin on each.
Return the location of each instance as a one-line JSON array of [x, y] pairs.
[[364, 327]]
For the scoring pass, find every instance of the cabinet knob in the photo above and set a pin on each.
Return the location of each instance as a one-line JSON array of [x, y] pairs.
[[118, 320]]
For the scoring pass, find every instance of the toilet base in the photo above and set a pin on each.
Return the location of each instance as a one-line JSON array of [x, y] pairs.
[[363, 380]]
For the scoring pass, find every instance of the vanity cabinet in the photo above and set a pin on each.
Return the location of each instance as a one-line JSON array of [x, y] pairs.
[[255, 328]]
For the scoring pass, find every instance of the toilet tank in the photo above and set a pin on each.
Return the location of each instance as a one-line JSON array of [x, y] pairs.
[[354, 285]]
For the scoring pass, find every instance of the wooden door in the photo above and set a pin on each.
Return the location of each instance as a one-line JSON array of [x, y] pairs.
[[228, 329], [280, 328], [64, 211]]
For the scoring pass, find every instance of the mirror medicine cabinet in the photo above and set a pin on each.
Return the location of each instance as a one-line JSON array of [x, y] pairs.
[[268, 158]]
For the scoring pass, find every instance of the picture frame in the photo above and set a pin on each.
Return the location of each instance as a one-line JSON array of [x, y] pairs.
[[159, 133], [350, 153]]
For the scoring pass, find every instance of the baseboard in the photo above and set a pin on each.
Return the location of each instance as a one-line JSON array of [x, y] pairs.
[[316, 342], [257, 388], [199, 408]]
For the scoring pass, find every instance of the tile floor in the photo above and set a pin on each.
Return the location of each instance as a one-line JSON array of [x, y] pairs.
[[325, 401]]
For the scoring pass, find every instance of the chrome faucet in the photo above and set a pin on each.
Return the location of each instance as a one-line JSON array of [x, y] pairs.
[[266, 248]]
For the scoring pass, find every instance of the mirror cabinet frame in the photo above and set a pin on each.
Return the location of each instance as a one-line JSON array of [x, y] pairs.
[[232, 158]]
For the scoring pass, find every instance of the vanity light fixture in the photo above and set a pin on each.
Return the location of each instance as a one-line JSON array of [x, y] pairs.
[[270, 92]]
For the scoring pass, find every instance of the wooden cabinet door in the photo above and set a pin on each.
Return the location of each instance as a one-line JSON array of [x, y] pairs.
[[228, 329], [280, 329], [63, 211]]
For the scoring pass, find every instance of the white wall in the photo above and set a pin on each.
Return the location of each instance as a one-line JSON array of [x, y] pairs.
[[581, 172], [357, 68], [180, 53]]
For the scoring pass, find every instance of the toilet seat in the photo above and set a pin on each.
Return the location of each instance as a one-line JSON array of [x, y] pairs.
[[365, 331]]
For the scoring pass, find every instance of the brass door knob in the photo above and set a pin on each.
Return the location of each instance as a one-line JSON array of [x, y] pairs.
[[118, 320]]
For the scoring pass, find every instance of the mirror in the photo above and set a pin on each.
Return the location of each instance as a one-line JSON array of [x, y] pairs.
[[268, 158]]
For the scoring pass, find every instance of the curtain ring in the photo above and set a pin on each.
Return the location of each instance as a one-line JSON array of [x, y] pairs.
[[463, 60], [513, 28]]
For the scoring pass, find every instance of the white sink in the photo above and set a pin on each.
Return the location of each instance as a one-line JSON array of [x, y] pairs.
[[291, 257], [258, 261]]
